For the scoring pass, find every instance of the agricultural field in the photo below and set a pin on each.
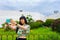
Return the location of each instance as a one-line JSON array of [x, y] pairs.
[[42, 33]]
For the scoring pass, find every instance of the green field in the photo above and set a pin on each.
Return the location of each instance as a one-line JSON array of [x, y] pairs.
[[42, 33]]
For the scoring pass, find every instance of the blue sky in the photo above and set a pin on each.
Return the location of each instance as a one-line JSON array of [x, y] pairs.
[[43, 6]]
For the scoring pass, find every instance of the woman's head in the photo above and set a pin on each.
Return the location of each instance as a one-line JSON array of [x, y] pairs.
[[22, 20]]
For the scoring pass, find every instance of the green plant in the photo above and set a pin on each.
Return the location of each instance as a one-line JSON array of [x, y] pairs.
[[48, 22], [41, 33], [29, 19], [35, 25], [56, 25], [17, 22], [3, 25]]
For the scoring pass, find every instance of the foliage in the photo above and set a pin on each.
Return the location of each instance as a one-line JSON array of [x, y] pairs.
[[3, 25], [40, 21], [48, 22], [6, 28], [35, 34], [29, 19], [35, 25], [56, 25], [17, 22]]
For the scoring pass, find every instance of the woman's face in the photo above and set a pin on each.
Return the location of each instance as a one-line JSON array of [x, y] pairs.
[[22, 21]]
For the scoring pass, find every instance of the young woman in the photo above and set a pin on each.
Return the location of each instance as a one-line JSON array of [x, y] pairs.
[[23, 29]]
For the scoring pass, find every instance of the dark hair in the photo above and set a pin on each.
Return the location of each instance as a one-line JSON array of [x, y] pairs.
[[22, 17]]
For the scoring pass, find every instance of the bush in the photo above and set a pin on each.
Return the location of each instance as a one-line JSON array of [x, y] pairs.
[[40, 21], [48, 22], [6, 28], [3, 25], [35, 25], [17, 22], [56, 25], [29, 19]]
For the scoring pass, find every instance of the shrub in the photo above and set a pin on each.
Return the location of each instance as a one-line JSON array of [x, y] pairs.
[[29, 19], [6, 27], [48, 22], [40, 21], [35, 25], [3, 25], [17, 22], [56, 25]]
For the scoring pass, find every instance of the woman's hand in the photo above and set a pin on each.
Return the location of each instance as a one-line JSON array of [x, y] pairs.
[[22, 27]]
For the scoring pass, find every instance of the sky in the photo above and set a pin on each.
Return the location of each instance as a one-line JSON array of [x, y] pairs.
[[15, 15], [46, 7]]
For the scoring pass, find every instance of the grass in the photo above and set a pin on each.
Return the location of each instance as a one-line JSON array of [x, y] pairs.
[[35, 34]]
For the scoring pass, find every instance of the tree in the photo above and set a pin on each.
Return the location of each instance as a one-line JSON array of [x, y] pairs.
[[56, 25], [39, 21], [35, 25], [29, 19], [48, 22]]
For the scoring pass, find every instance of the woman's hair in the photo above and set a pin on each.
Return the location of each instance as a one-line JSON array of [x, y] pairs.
[[22, 17]]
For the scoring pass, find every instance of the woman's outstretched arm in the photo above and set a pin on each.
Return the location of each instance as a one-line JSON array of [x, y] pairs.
[[22, 27]]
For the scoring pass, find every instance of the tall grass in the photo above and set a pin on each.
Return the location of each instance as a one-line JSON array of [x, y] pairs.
[[35, 34]]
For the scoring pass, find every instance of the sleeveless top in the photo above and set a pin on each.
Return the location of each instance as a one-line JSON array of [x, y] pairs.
[[22, 32]]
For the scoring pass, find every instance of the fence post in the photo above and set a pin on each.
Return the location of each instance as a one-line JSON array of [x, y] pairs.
[[57, 37], [28, 37], [12, 37], [1, 37], [7, 37]]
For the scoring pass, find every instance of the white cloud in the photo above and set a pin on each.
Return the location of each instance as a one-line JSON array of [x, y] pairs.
[[25, 2], [6, 14], [19, 2], [16, 3], [50, 0], [30, 5], [54, 16]]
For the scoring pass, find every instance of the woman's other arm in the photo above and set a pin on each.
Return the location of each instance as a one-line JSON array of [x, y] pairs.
[[22, 27]]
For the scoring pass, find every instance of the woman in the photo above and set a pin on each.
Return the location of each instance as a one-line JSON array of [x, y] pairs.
[[23, 28]]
